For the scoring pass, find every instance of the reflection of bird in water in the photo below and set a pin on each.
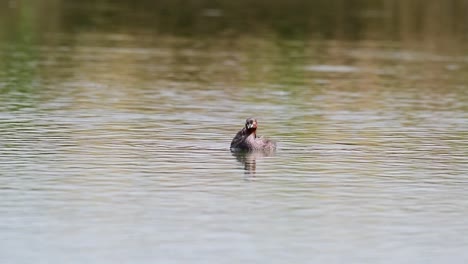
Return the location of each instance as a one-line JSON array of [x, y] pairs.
[[246, 139], [247, 147], [249, 159]]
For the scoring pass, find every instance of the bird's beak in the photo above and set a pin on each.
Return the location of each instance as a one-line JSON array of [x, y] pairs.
[[249, 126]]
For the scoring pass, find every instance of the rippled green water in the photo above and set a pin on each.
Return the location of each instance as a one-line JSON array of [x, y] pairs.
[[114, 143]]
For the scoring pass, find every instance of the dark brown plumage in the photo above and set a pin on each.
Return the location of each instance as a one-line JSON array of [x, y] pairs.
[[246, 139]]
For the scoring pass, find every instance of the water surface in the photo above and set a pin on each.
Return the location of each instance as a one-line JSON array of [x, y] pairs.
[[114, 147]]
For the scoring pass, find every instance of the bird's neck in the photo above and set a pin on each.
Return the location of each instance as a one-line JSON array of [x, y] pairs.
[[252, 131]]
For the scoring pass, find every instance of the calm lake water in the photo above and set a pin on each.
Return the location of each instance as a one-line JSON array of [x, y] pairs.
[[114, 145]]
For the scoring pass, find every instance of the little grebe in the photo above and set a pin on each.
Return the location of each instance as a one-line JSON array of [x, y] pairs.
[[246, 139]]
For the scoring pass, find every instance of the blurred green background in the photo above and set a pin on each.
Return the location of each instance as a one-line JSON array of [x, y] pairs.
[[443, 23]]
